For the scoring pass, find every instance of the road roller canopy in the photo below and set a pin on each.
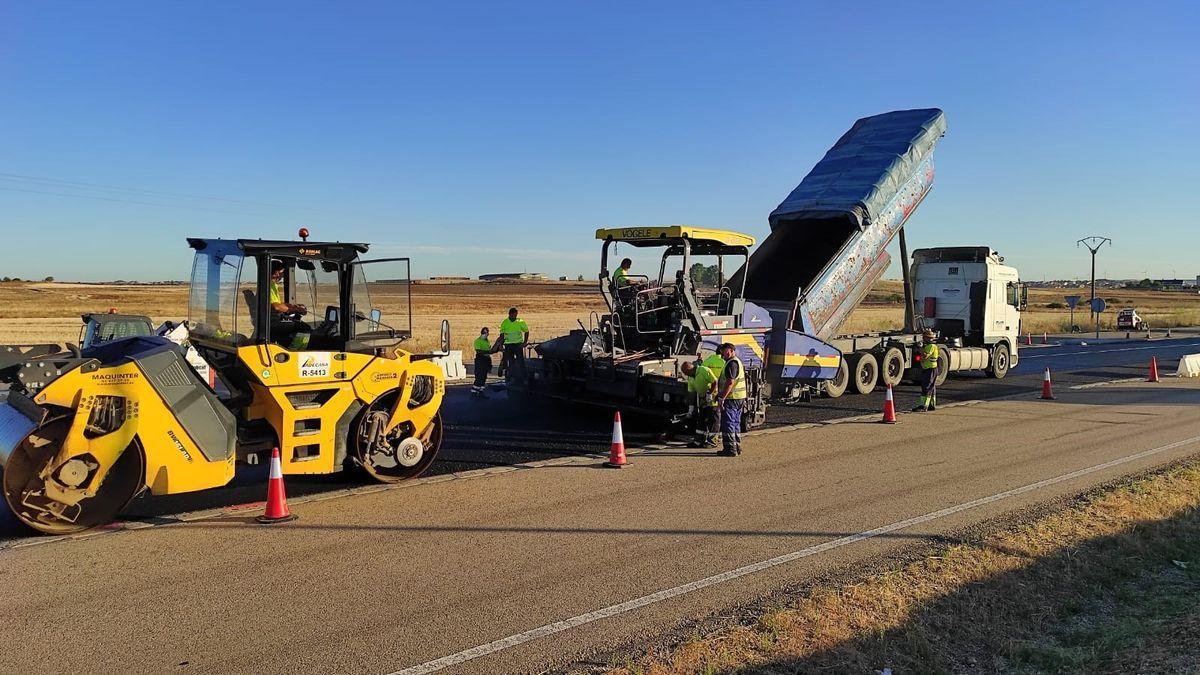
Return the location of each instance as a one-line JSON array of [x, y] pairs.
[[708, 240], [234, 299], [339, 251]]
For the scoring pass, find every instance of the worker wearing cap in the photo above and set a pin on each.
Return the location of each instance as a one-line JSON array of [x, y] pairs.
[[483, 362], [731, 395], [929, 355], [702, 384], [515, 333]]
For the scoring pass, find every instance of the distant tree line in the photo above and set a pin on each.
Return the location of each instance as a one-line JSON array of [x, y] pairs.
[[4, 280]]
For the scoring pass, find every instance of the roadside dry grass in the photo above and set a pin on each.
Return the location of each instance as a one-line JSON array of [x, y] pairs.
[[1109, 585]]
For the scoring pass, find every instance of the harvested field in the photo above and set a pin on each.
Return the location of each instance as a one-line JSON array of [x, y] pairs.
[[49, 312]]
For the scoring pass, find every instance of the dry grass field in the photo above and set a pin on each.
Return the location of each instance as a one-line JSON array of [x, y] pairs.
[[49, 312]]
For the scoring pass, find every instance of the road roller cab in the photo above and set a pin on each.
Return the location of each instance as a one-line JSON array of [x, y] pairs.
[[83, 432]]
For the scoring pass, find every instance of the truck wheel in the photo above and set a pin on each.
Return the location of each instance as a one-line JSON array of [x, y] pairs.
[[865, 371], [891, 367], [999, 366], [837, 386], [943, 368]]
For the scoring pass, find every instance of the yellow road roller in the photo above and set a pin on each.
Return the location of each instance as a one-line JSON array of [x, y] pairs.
[[308, 358]]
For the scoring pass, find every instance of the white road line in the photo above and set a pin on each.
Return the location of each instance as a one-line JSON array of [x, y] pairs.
[[1108, 351], [630, 605]]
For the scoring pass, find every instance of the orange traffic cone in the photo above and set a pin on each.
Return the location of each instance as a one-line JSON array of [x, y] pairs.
[[1028, 338], [277, 510], [1045, 338], [889, 407], [1153, 370], [616, 457], [1047, 394]]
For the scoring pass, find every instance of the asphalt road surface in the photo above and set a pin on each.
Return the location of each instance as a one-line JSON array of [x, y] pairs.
[[498, 432], [541, 568]]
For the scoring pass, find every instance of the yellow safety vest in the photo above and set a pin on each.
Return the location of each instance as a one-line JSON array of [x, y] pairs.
[[701, 383], [929, 355], [620, 277], [714, 363], [514, 331], [739, 385], [276, 293], [482, 345]]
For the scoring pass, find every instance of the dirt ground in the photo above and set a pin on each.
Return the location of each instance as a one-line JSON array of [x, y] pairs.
[[49, 312]]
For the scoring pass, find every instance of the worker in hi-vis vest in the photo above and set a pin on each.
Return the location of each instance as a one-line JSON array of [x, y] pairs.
[[929, 356], [731, 394], [515, 333], [484, 348], [621, 276], [702, 384]]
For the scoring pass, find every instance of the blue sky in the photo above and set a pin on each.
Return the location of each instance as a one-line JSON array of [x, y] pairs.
[[498, 136]]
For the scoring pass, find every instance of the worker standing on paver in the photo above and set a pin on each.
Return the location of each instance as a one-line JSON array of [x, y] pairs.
[[731, 393], [929, 371], [702, 383], [515, 333], [483, 362]]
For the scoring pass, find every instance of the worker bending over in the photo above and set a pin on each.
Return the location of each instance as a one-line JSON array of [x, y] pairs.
[[516, 335], [929, 372], [731, 393], [702, 383], [484, 348]]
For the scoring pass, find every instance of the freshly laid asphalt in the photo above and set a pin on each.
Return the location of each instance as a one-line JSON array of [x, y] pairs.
[[498, 432], [542, 567]]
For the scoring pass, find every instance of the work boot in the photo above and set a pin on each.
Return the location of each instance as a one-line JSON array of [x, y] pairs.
[[920, 408]]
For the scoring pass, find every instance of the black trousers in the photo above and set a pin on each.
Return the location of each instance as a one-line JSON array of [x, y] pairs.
[[483, 367], [929, 386], [513, 361]]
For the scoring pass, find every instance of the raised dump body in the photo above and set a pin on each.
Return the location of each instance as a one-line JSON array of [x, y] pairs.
[[829, 238]]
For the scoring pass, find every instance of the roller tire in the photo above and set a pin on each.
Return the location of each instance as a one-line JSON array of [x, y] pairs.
[[864, 371], [124, 481], [432, 439]]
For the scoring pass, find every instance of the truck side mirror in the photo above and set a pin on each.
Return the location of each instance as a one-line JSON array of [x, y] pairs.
[[1024, 298], [444, 337]]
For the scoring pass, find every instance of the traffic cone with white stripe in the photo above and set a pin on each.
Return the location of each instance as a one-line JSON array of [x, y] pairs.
[[1045, 338], [277, 509], [1153, 370], [1047, 394], [616, 457], [1028, 338], [889, 407]]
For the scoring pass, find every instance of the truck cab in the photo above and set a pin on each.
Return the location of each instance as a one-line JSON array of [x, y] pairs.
[[967, 293], [1129, 319]]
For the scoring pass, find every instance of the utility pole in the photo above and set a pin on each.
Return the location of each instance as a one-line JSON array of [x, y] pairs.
[[1093, 244]]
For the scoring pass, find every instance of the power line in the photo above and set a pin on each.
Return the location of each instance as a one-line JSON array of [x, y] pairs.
[[130, 201], [16, 177]]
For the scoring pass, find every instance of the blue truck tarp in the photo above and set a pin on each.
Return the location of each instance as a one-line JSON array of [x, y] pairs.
[[829, 236]]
